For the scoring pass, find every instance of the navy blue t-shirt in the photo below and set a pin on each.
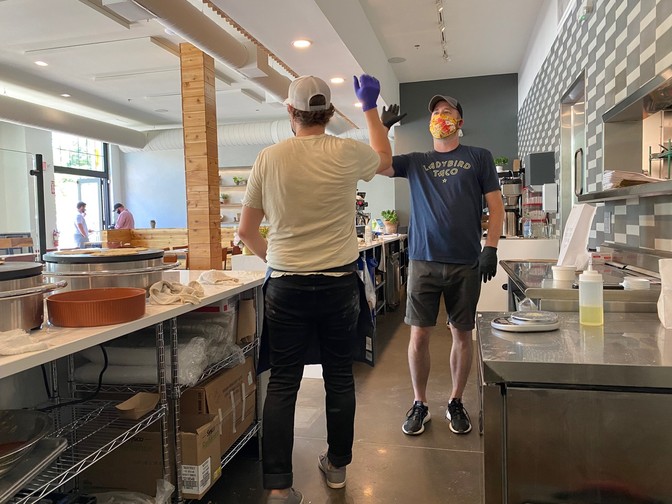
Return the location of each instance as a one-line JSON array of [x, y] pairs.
[[446, 202]]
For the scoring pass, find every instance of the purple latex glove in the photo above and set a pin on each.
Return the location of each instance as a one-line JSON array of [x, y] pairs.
[[367, 89]]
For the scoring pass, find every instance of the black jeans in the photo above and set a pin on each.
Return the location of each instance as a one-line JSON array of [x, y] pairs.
[[300, 310]]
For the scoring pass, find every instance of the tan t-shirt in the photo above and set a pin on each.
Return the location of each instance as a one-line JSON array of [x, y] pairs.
[[306, 187]]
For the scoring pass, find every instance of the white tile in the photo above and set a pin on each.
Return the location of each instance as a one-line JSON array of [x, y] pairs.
[[621, 38], [647, 220], [632, 229], [632, 76], [648, 52], [632, 46], [620, 9], [664, 63], [648, 18], [632, 15], [663, 208], [620, 238], [663, 244], [663, 27], [619, 209]]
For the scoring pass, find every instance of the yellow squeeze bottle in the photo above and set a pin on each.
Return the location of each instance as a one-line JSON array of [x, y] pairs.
[[591, 300]]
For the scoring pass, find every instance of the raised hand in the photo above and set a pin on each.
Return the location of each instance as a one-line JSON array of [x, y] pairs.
[[367, 89], [389, 117]]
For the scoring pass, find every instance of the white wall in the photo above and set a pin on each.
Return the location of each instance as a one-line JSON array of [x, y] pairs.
[[153, 184], [39, 142], [538, 47], [18, 207], [14, 179]]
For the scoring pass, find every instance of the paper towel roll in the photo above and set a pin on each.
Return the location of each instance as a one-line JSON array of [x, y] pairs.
[[665, 299]]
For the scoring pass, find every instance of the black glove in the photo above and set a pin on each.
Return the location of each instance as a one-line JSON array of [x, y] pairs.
[[389, 117], [487, 263]]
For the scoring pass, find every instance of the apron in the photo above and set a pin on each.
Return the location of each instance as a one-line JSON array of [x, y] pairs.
[[362, 343]]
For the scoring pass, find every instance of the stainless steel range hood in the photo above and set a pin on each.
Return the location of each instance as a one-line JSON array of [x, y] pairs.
[[651, 98]]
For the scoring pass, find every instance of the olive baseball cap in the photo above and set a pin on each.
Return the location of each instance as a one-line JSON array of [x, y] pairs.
[[304, 89], [452, 101]]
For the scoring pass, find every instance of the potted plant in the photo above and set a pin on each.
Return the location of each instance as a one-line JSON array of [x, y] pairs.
[[391, 221], [239, 180], [500, 163], [224, 198]]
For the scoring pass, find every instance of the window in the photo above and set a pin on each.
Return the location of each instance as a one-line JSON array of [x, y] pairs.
[[77, 152], [81, 173]]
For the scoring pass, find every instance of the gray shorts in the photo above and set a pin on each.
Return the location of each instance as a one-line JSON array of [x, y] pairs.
[[460, 285]]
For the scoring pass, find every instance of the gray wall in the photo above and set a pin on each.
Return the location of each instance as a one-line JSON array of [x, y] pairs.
[[490, 119], [622, 45], [490, 113]]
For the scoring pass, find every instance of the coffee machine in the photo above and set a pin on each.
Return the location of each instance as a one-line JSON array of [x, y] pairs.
[[512, 188], [361, 218]]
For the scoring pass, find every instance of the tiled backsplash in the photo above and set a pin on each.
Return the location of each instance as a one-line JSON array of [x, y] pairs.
[[622, 45]]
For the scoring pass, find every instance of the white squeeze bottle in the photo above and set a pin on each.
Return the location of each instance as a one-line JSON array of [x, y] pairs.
[[368, 234], [591, 301]]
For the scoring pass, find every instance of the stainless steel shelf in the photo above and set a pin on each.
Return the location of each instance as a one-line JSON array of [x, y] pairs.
[[95, 430], [641, 190], [215, 368], [238, 445], [135, 388]]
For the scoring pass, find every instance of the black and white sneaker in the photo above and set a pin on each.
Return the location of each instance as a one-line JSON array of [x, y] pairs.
[[416, 418], [460, 423]]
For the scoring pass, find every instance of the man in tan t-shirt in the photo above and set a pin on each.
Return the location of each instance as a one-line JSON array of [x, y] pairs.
[[305, 187]]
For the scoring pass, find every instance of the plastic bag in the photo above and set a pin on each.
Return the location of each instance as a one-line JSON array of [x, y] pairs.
[[164, 490]]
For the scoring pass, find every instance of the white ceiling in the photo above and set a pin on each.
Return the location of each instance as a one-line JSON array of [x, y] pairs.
[[127, 74]]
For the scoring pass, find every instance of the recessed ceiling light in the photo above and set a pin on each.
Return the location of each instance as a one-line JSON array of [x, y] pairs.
[[337, 80], [41, 63], [357, 104], [65, 95], [161, 110], [396, 59], [302, 43]]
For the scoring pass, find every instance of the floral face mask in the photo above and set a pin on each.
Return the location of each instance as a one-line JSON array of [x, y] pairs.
[[442, 126]]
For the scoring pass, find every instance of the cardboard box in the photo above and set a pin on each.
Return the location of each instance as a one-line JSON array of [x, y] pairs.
[[247, 321], [137, 464], [231, 395], [200, 454]]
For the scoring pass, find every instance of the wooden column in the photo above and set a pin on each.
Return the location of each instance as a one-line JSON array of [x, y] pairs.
[[199, 120]]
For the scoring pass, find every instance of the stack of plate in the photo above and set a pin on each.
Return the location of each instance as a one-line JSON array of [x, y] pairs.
[[20, 430], [527, 321]]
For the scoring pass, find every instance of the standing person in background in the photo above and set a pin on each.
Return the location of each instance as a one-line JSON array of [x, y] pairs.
[[125, 218], [81, 229], [447, 186], [305, 187]]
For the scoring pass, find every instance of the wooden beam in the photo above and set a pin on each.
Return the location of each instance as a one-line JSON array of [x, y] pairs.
[[199, 120]]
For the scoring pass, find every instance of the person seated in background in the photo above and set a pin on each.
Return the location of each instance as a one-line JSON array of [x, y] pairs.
[[125, 218]]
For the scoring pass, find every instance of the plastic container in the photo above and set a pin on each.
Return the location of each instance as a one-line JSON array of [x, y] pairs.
[[564, 273], [591, 300], [368, 234], [636, 283]]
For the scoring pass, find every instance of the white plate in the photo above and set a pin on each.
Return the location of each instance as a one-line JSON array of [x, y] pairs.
[[506, 324]]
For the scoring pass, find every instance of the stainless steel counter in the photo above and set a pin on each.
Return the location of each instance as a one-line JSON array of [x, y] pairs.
[[630, 350], [569, 415], [534, 279]]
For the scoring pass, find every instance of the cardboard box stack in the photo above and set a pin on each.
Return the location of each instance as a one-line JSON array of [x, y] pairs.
[[137, 464], [231, 395], [213, 415]]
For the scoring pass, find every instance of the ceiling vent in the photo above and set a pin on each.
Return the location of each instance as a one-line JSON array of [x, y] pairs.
[[128, 10]]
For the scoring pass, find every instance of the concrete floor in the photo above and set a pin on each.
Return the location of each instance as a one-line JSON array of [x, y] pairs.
[[388, 466]]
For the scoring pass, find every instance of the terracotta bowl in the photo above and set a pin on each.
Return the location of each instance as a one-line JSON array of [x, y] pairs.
[[96, 307]]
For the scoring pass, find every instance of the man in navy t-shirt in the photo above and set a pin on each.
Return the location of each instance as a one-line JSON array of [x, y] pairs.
[[446, 186]]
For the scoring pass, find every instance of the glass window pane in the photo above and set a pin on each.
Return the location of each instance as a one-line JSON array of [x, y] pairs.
[[77, 152]]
